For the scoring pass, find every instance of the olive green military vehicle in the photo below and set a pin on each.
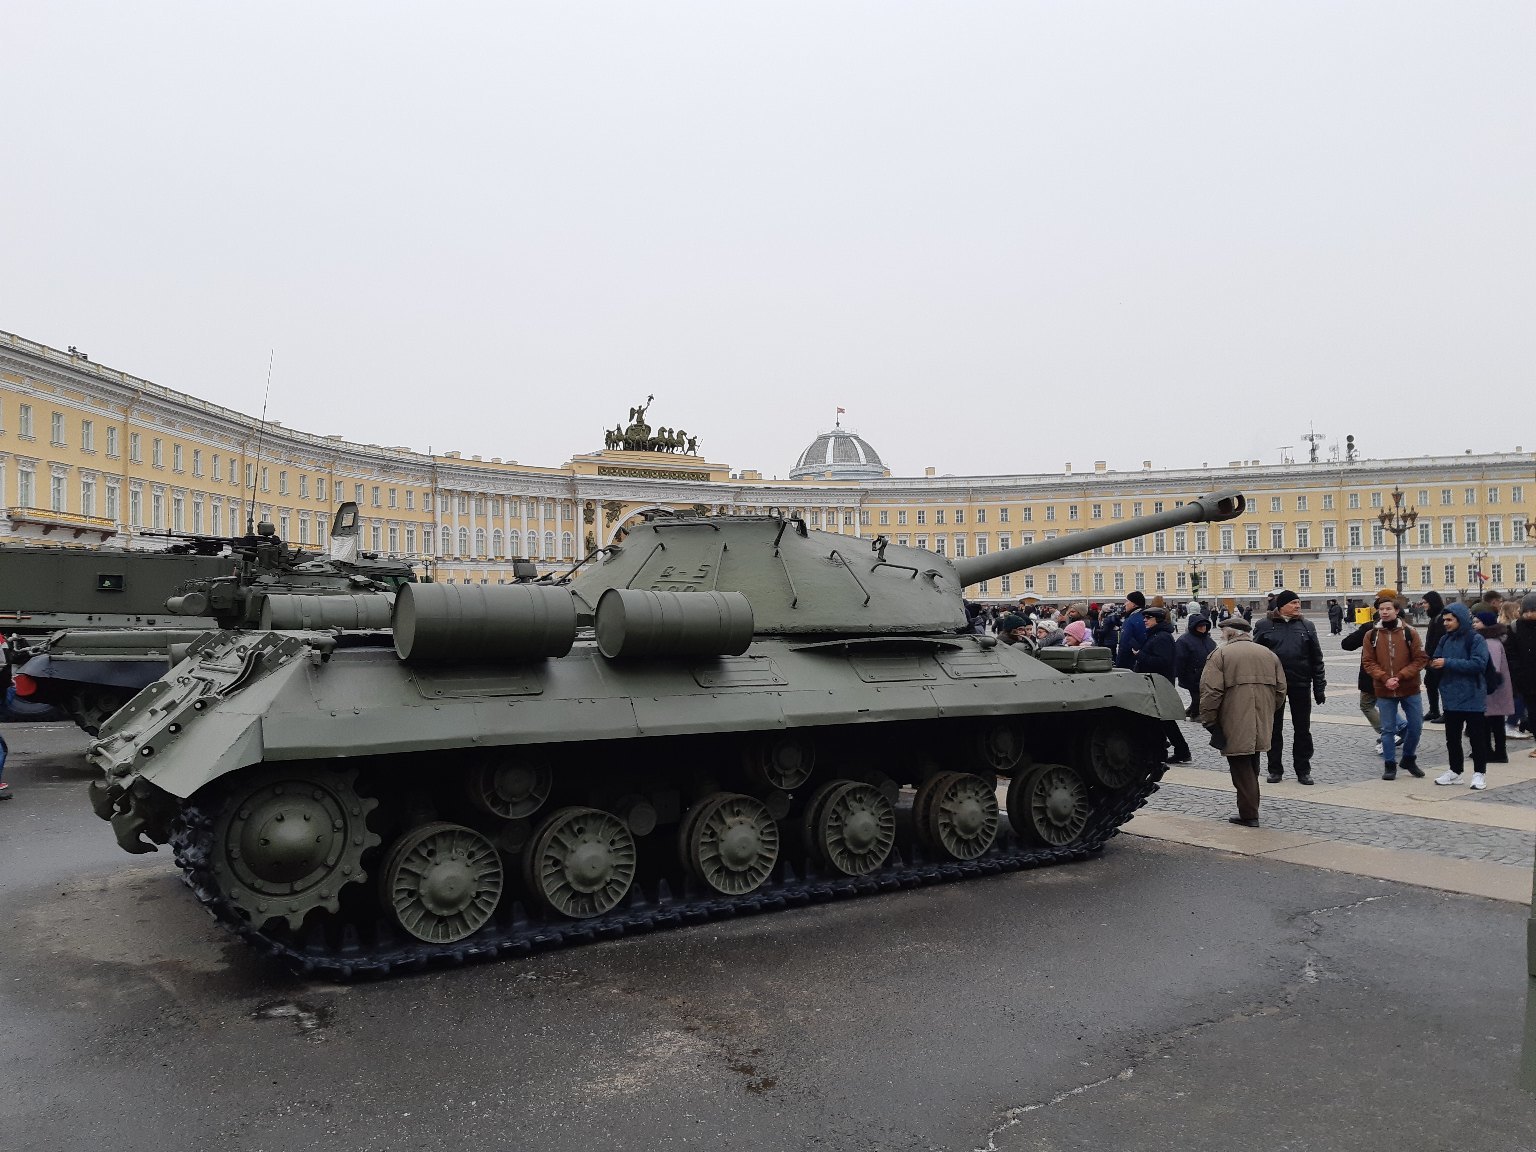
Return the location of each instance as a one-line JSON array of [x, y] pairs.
[[258, 582], [714, 717]]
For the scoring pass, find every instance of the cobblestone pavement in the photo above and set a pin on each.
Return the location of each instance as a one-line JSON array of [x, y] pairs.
[[1344, 753], [1460, 841]]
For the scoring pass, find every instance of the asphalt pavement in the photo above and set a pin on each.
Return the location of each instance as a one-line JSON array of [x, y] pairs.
[[1158, 996]]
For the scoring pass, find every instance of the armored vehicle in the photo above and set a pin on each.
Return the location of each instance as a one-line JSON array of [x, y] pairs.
[[260, 582], [714, 716]]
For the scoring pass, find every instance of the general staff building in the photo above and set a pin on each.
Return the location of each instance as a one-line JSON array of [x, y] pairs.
[[90, 455]]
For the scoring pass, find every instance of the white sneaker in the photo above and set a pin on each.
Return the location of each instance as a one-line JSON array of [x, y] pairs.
[[1378, 745], [1478, 782], [1447, 777]]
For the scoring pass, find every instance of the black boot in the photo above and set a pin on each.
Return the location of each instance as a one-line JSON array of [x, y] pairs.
[[1389, 770], [1411, 766]]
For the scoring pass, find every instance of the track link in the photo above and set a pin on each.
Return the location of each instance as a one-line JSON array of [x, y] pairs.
[[377, 949]]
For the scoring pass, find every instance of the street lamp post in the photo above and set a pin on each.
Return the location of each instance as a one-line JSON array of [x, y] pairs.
[[1194, 578], [1477, 568], [1398, 520]]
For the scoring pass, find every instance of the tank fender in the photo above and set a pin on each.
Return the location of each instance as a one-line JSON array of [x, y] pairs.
[[132, 674]]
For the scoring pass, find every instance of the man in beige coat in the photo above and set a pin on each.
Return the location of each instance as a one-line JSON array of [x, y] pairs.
[[1242, 685]]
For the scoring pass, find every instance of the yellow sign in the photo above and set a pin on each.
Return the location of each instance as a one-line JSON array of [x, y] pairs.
[[1364, 615]]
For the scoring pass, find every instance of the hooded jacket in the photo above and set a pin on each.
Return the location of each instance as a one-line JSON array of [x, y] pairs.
[[1465, 653], [1191, 651], [1294, 640], [1436, 629]]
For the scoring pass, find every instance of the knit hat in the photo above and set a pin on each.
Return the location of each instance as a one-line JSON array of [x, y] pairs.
[[1284, 597], [1011, 621], [1136, 598], [1528, 602], [1385, 594], [1157, 602], [1486, 618], [1237, 623]]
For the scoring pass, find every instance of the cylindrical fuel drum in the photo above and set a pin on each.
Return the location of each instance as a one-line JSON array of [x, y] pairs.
[[483, 622], [291, 610], [635, 622]]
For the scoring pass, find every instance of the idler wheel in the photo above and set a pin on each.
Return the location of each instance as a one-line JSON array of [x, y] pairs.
[[730, 842], [581, 862], [783, 762], [512, 787], [1050, 805], [1117, 752], [442, 882], [855, 828], [287, 839], [961, 814]]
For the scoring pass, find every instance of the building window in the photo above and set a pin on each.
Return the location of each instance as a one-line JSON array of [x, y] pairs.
[[1495, 531], [1445, 497], [1447, 531], [1277, 537], [282, 483], [1379, 575], [1304, 579], [1354, 500], [178, 514], [112, 442], [176, 458], [1279, 578], [1330, 536], [1119, 581], [1354, 536], [1517, 494], [496, 543], [1426, 575], [1378, 536], [1202, 540], [1470, 528], [1519, 571], [111, 509], [1517, 532], [1496, 573], [1226, 539], [1180, 541], [922, 542], [885, 518], [376, 542], [56, 430], [135, 508], [1096, 512], [410, 500], [1050, 580], [1469, 496], [1327, 501], [156, 511], [56, 499], [1252, 535], [922, 516], [1006, 583], [1301, 503], [1160, 580], [1330, 575], [374, 495], [1450, 575], [1026, 513], [938, 545], [1274, 503], [959, 547], [1424, 532], [24, 421], [87, 497], [1002, 515], [135, 448], [901, 518], [319, 487], [410, 540], [1303, 536], [445, 541], [157, 453], [1159, 541], [463, 542], [1050, 512], [1253, 579], [1071, 511], [1375, 499], [1355, 578], [959, 515], [938, 516], [479, 541], [1493, 495]]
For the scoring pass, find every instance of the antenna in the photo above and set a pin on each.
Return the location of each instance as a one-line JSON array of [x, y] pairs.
[[261, 432], [1285, 453], [1313, 438]]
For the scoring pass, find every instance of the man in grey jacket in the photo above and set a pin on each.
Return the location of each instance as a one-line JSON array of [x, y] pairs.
[[1292, 638]]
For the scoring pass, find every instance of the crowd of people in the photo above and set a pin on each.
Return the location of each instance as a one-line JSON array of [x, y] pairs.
[[1475, 664]]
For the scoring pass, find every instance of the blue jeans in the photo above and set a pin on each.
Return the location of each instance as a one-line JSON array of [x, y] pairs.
[[1412, 724]]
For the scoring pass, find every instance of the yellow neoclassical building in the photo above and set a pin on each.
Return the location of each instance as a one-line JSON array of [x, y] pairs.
[[91, 455]]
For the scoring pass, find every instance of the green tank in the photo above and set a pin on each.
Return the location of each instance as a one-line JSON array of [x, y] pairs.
[[714, 717]]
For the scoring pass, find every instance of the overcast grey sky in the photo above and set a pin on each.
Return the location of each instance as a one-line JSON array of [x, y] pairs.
[[1003, 236]]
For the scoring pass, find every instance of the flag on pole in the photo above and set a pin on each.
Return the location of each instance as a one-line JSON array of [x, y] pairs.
[[840, 411]]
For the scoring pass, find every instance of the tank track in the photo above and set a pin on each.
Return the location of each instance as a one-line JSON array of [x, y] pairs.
[[379, 949]]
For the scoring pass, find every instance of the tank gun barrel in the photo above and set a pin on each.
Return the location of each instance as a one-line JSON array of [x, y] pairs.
[[1212, 508]]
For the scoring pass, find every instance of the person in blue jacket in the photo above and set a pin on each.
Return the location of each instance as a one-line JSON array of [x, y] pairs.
[[1462, 658], [1158, 657], [1133, 630]]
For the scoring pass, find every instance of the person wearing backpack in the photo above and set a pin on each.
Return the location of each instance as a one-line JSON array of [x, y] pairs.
[[1462, 659], [1393, 656]]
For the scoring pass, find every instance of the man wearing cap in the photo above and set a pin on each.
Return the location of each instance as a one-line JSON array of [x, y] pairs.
[[1294, 640], [1133, 630], [1241, 689], [1158, 656]]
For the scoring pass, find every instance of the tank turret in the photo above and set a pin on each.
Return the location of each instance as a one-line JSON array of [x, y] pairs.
[[711, 716]]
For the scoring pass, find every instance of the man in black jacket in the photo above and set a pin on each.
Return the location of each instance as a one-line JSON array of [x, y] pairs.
[[1294, 640], [1157, 655], [1435, 607]]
